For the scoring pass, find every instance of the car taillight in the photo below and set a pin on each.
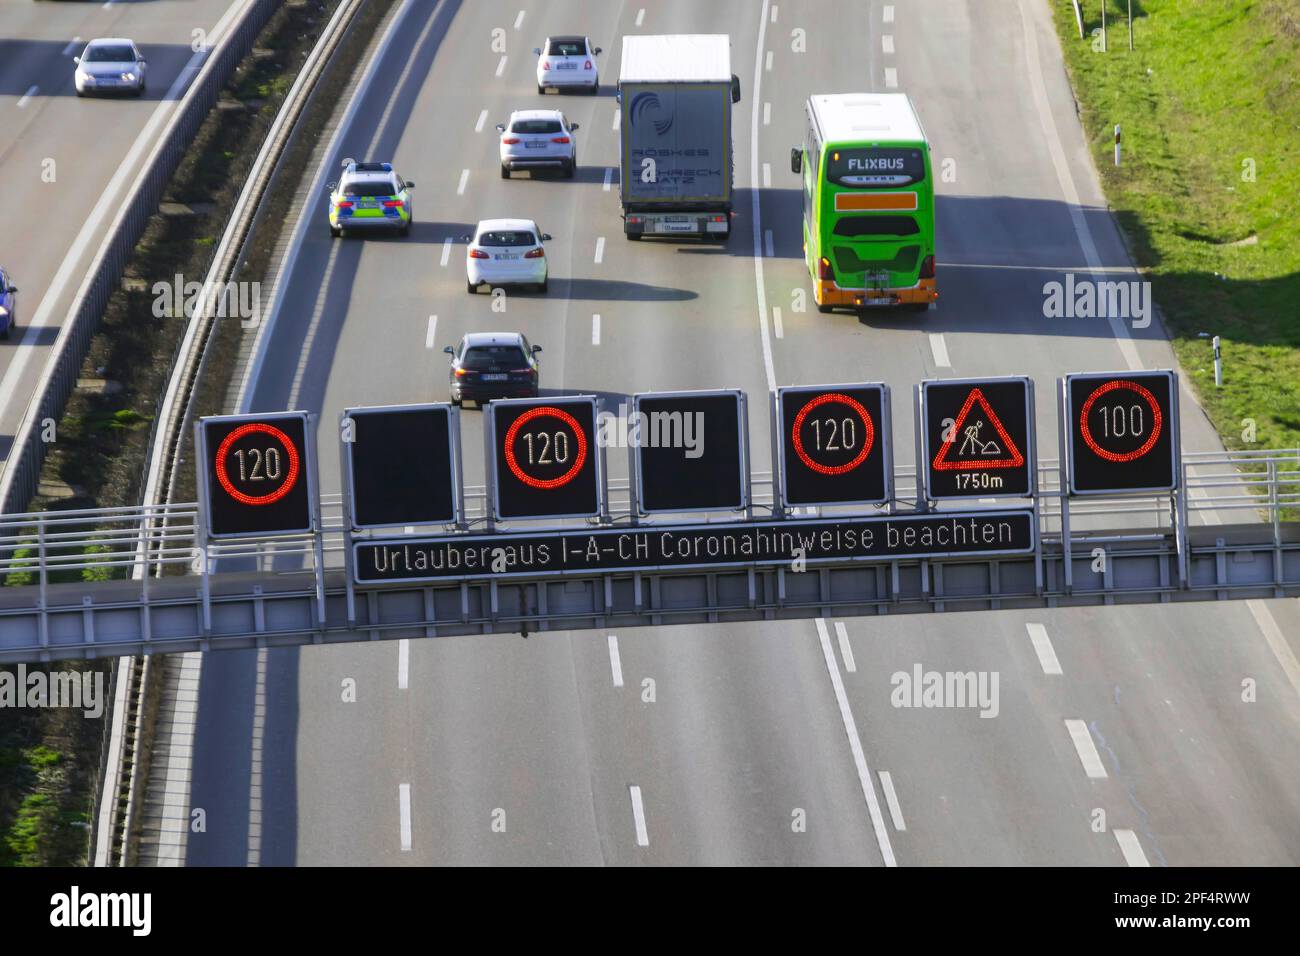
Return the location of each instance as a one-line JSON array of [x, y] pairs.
[[477, 254], [546, 64], [634, 219], [717, 218], [927, 267], [824, 270], [559, 139], [393, 203], [343, 204], [460, 372], [510, 140], [538, 253], [587, 65], [519, 371]]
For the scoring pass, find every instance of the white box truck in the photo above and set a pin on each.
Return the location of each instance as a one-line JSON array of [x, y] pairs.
[[675, 95]]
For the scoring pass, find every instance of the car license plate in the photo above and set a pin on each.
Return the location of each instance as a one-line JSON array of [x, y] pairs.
[[495, 377], [534, 145], [504, 255], [670, 226], [566, 66]]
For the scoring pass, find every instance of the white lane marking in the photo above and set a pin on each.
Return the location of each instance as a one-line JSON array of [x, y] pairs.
[[1086, 749], [404, 814], [1066, 182], [432, 332], [767, 114], [891, 800], [482, 118], [519, 20], [846, 649], [891, 77], [940, 350], [501, 67], [617, 117], [638, 816], [888, 13], [767, 243], [767, 175], [767, 63], [446, 251], [1131, 848], [756, 212], [1044, 649], [1276, 642], [595, 328], [776, 322], [774, 9], [855, 744], [609, 177], [464, 178], [72, 46], [887, 43], [403, 664], [615, 662], [600, 249], [640, 16], [27, 97]]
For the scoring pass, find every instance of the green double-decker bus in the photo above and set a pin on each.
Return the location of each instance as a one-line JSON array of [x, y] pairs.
[[868, 202]]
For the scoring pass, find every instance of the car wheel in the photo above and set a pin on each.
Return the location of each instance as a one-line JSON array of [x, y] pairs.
[[595, 89], [471, 288], [544, 285], [505, 171], [570, 168], [455, 399], [405, 230], [335, 232], [541, 90]]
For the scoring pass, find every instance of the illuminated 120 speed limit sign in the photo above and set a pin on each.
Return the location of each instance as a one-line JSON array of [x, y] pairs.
[[544, 458], [256, 475], [1123, 432], [835, 445]]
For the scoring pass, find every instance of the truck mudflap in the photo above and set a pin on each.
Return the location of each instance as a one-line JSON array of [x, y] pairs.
[[716, 224]]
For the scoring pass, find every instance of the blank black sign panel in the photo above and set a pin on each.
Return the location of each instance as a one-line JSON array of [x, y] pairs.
[[403, 472], [834, 445], [1123, 431], [545, 458], [257, 475], [977, 438], [689, 452]]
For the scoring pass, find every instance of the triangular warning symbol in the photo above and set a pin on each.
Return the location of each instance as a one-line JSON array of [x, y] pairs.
[[966, 449]]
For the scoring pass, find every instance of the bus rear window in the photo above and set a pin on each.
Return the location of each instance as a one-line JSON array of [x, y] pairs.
[[869, 167], [854, 227]]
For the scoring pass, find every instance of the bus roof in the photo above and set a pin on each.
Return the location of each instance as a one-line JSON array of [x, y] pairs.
[[857, 117], [683, 58]]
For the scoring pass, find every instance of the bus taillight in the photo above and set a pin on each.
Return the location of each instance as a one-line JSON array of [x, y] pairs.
[[927, 267], [824, 270]]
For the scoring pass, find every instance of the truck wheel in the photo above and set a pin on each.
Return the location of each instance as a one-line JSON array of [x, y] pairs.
[[633, 235]]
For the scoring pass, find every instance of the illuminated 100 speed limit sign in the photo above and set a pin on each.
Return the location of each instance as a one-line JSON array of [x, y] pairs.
[[1123, 432], [256, 475]]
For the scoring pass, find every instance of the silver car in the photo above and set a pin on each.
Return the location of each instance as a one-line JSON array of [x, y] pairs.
[[110, 65], [538, 139]]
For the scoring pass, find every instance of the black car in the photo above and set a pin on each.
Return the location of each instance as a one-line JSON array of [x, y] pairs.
[[488, 365], [8, 306]]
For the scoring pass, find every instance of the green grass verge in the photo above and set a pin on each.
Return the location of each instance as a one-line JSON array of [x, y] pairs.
[[1209, 188]]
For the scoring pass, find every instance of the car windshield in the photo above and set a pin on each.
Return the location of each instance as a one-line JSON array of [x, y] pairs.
[[536, 126], [506, 238], [368, 188], [565, 48], [494, 356], [109, 54]]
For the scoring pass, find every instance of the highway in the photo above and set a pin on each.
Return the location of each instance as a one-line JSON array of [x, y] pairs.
[[1118, 736], [67, 163]]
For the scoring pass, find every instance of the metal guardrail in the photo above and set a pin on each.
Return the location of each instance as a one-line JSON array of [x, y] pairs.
[[21, 475]]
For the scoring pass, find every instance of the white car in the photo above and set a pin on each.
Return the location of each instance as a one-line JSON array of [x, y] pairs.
[[569, 62], [538, 139], [505, 252], [110, 65]]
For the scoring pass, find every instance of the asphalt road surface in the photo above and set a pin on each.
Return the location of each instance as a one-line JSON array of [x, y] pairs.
[[67, 163], [1164, 734]]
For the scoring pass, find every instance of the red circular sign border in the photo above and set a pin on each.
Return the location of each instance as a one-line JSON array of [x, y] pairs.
[[832, 470], [249, 428], [1092, 443], [548, 483]]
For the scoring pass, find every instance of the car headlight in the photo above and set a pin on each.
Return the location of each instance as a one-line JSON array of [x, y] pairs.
[[129, 77], [4, 313]]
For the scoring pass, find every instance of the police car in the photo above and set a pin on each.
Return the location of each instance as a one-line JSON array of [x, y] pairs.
[[370, 196]]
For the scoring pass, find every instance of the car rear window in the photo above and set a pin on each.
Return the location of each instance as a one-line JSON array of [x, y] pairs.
[[368, 188], [535, 126], [565, 48], [109, 54], [504, 238], [493, 356], [855, 226]]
